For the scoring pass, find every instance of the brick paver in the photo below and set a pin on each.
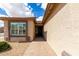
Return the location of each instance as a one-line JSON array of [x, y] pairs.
[[39, 48]]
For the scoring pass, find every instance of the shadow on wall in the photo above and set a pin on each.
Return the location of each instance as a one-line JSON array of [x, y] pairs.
[[1, 29], [64, 53], [28, 39], [45, 35]]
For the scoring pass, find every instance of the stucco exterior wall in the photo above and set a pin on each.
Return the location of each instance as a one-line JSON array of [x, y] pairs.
[[18, 39], [31, 29], [63, 30], [6, 30], [29, 34]]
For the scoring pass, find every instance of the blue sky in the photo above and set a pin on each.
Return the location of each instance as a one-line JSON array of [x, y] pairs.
[[22, 10], [2, 11], [37, 10]]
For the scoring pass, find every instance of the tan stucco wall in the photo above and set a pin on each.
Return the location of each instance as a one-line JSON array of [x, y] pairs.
[[29, 35], [63, 30], [31, 29], [18, 39], [6, 30]]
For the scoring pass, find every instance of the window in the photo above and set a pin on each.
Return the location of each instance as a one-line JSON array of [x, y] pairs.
[[18, 28]]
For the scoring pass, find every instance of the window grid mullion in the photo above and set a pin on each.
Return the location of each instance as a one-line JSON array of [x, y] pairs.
[[17, 29]]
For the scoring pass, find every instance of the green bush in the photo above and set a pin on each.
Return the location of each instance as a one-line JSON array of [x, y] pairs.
[[4, 46]]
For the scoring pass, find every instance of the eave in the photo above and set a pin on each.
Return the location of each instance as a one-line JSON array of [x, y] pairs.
[[17, 18], [51, 10]]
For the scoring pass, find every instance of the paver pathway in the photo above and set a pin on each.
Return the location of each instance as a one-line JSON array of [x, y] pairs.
[[39, 48]]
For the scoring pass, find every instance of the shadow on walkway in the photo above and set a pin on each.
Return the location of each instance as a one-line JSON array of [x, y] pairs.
[[39, 39]]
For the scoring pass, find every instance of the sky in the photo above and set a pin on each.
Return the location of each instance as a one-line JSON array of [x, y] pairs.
[[22, 10]]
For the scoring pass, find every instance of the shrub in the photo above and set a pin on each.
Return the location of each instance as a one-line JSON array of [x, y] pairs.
[[4, 46]]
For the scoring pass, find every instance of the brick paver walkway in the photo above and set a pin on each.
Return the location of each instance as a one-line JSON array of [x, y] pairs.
[[39, 48]]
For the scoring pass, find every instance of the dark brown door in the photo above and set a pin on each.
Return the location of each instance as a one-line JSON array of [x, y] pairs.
[[39, 31]]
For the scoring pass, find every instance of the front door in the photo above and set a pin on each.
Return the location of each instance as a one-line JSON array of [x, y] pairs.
[[39, 31]]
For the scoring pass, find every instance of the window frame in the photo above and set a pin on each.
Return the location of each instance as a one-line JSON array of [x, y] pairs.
[[18, 35]]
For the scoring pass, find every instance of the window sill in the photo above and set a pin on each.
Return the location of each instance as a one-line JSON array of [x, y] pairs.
[[17, 35]]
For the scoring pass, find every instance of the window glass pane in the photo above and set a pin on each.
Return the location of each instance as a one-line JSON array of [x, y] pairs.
[[18, 28], [20, 32], [24, 31]]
